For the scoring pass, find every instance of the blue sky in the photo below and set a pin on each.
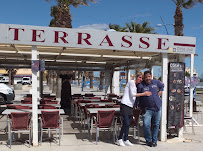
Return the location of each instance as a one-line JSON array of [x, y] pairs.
[[99, 15]]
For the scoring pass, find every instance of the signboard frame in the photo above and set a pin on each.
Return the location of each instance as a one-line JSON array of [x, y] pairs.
[[176, 82]]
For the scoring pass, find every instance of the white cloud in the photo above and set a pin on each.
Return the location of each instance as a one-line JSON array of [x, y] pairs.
[[197, 27], [95, 26], [140, 15]]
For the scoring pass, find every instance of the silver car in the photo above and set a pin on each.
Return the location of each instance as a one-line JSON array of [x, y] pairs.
[[7, 94]]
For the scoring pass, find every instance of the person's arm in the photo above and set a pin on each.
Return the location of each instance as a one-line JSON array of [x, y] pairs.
[[141, 93], [146, 93], [132, 89], [160, 86]]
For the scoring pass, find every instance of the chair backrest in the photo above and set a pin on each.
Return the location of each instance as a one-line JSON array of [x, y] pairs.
[[109, 100], [135, 117], [84, 101], [49, 98], [42, 101], [77, 98], [95, 98], [89, 95], [49, 107], [10, 106], [26, 101], [20, 121], [110, 95], [28, 98], [77, 95], [116, 105], [109, 105], [89, 106], [45, 106], [105, 118], [50, 102], [50, 119], [22, 107]]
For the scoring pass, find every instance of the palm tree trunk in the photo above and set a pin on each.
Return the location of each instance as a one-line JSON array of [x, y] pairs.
[[84, 77], [179, 21], [63, 18], [91, 79], [79, 77], [101, 80], [10, 75]]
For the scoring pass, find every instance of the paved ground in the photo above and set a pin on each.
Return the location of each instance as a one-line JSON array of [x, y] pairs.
[[75, 138]]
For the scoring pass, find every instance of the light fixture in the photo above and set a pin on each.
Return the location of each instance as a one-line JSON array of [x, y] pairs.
[[6, 51], [126, 57], [96, 62]]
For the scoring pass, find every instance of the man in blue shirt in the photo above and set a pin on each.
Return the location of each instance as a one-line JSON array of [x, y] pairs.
[[151, 107]]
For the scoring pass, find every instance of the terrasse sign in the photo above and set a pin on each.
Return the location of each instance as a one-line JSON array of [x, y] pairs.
[[83, 38]]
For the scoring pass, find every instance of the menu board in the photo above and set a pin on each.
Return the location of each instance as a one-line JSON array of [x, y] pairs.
[[176, 83]]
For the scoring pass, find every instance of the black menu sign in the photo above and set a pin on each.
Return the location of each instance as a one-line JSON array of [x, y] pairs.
[[176, 83]]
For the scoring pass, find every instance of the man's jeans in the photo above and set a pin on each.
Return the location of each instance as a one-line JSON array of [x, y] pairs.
[[125, 127], [154, 117]]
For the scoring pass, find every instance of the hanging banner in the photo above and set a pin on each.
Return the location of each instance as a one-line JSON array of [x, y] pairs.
[[176, 83], [35, 65]]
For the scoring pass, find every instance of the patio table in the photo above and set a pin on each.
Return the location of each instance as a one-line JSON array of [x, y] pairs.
[[30, 105]]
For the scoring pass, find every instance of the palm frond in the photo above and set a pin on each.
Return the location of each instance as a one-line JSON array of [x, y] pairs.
[[189, 4]]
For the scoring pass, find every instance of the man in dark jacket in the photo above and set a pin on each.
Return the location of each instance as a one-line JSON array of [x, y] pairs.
[[151, 107]]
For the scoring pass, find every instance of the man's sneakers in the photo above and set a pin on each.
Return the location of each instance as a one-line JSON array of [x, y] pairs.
[[128, 143], [154, 144], [151, 144], [121, 143]]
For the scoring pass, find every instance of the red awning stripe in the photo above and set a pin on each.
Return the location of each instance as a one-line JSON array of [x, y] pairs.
[[186, 45]]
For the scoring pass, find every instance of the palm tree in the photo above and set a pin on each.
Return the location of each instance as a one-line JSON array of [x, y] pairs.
[[133, 27], [187, 4], [117, 27], [61, 12], [62, 18], [140, 28], [91, 77], [11, 74]]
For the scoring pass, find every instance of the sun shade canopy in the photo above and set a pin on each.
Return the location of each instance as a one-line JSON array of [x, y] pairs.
[[83, 49]]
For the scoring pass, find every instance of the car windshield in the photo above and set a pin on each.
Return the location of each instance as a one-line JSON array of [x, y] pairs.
[[25, 78]]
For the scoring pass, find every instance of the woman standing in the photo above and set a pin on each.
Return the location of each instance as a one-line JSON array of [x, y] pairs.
[[126, 108]]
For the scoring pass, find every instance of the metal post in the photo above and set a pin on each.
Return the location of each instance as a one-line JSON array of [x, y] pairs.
[[35, 99], [181, 58], [115, 83], [82, 82], [164, 96], [152, 71], [191, 88]]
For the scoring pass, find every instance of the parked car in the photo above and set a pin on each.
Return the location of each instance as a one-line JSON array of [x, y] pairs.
[[4, 79], [7, 94], [187, 89], [26, 80]]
